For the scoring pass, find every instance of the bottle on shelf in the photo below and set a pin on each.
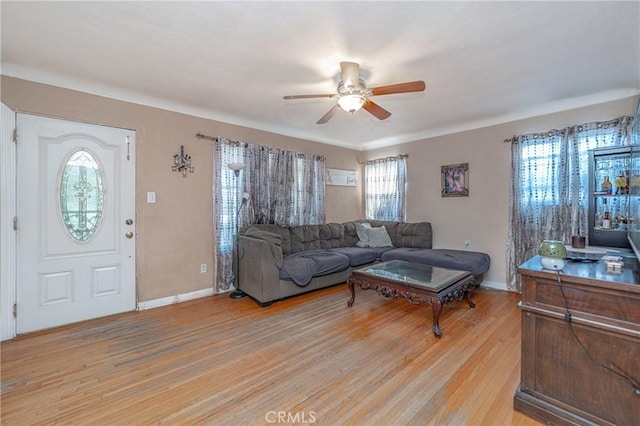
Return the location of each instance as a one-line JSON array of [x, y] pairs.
[[606, 222], [599, 217], [607, 186], [621, 184]]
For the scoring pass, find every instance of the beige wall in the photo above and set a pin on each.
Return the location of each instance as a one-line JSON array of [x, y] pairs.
[[170, 248], [482, 217], [175, 235]]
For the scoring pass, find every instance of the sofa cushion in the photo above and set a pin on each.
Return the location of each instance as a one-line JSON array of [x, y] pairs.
[[475, 262], [331, 235], [283, 231], [303, 266], [350, 234], [361, 231], [378, 237], [357, 255], [416, 235], [391, 227], [305, 237], [379, 251]]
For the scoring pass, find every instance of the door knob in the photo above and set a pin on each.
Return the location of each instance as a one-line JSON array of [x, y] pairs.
[[129, 221], [129, 234]]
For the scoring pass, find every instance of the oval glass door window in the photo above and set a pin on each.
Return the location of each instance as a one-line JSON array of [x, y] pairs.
[[81, 195]]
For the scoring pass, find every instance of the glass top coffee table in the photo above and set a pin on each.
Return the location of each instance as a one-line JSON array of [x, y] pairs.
[[419, 284]]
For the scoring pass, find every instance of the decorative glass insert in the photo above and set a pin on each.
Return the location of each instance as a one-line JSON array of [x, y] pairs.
[[81, 195]]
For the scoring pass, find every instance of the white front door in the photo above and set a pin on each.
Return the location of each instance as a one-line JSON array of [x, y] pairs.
[[75, 219]]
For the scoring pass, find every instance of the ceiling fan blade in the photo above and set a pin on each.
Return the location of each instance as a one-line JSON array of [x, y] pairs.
[[328, 115], [412, 86], [376, 110], [308, 96], [350, 74]]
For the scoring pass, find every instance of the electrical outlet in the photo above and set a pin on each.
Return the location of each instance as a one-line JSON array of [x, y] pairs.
[[467, 243], [203, 268]]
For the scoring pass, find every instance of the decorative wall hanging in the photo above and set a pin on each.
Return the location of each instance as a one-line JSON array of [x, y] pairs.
[[455, 180], [339, 177], [182, 163]]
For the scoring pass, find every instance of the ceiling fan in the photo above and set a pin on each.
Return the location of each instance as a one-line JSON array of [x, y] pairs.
[[352, 93]]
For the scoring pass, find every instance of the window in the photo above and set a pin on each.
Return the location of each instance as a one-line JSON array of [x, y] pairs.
[[550, 173], [560, 159], [384, 191], [539, 162], [81, 195]]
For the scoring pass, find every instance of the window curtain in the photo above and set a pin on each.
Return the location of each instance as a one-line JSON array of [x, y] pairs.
[[276, 187], [286, 188], [309, 190], [227, 198], [384, 188], [548, 196]]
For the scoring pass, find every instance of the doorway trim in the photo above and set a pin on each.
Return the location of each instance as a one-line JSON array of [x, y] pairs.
[[8, 175]]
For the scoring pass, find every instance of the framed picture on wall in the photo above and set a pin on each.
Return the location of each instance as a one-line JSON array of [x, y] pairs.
[[455, 180]]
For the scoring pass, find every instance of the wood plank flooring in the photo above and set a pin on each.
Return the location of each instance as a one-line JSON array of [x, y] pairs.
[[305, 360]]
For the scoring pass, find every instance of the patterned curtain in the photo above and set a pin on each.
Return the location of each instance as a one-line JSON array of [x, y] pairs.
[[385, 181], [275, 187], [309, 192], [281, 185], [226, 206], [548, 197]]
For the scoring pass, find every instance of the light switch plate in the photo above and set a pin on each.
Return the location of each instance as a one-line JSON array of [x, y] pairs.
[[151, 197]]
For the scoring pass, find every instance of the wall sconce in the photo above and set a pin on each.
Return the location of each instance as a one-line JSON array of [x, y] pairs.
[[236, 167], [182, 163]]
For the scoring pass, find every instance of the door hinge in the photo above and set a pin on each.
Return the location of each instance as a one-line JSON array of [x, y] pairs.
[[15, 310], [15, 223], [15, 135]]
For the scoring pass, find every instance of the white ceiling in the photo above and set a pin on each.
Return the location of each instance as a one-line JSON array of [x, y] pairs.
[[484, 63]]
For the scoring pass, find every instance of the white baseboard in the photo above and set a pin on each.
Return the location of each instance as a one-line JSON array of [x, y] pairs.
[[164, 301], [497, 285]]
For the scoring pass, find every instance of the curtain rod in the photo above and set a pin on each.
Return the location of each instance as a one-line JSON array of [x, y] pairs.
[[201, 136], [211, 138], [392, 157]]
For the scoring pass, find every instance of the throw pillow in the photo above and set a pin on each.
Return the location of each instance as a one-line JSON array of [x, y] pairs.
[[361, 231], [379, 237]]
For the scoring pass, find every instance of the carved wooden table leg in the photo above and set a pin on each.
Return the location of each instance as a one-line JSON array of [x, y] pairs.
[[353, 293], [436, 305], [471, 304], [418, 290]]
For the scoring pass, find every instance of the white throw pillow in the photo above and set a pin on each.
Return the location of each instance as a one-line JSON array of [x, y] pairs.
[[361, 231], [379, 237]]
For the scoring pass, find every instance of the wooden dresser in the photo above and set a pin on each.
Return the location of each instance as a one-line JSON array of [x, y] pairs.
[[560, 383]]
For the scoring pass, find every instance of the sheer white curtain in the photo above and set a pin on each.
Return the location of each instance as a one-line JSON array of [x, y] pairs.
[[385, 181], [227, 199], [548, 197], [281, 187]]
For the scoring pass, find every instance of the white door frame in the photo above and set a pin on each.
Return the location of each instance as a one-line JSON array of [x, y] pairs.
[[8, 211], [7, 233]]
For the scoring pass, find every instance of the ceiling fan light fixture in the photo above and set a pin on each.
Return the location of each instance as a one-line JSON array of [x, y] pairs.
[[353, 94], [351, 103]]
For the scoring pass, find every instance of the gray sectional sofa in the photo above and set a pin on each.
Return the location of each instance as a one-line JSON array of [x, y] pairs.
[[275, 262]]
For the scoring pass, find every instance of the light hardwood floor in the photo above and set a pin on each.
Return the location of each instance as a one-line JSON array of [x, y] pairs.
[[309, 359]]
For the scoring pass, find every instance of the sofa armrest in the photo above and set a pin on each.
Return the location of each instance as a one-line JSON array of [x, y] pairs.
[[258, 273]]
